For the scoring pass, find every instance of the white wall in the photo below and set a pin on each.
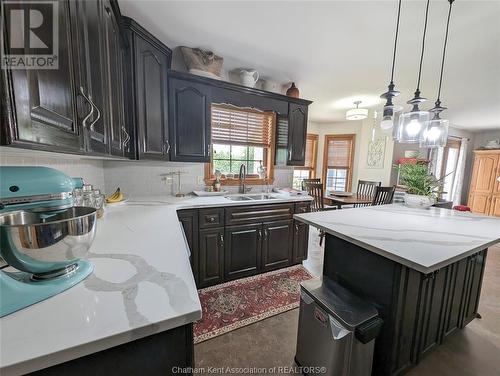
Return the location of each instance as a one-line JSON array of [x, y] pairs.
[[362, 130]]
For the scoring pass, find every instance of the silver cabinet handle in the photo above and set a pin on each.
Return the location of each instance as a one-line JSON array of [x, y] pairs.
[[167, 147], [84, 121], [208, 149], [259, 234], [296, 229], [98, 114], [127, 137], [289, 154], [221, 238], [266, 233]]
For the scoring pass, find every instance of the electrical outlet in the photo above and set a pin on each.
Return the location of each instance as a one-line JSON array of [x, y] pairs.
[[200, 180]]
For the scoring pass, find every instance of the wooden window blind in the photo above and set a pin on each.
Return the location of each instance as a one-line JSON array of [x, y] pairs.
[[339, 152], [237, 126], [311, 149]]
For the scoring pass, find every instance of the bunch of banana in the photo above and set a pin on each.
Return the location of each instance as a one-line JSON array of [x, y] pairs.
[[115, 197]]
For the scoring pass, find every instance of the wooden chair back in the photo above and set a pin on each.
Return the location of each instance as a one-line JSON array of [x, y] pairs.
[[383, 195], [366, 188], [307, 181], [316, 191]]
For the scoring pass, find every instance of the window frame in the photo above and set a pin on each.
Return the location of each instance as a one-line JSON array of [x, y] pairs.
[[269, 155], [349, 169], [312, 170]]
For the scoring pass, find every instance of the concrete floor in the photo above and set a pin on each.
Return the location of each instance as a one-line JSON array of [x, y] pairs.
[[270, 344]]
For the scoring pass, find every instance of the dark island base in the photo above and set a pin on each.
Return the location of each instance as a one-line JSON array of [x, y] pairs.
[[419, 310], [154, 355]]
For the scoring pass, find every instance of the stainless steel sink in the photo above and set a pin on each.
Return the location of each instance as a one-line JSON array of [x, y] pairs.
[[253, 197]]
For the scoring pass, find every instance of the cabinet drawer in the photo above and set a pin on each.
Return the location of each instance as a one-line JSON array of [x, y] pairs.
[[258, 213], [302, 207], [209, 218]]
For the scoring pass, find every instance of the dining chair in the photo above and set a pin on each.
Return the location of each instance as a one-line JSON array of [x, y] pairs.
[[306, 181], [366, 188], [318, 204], [383, 195]]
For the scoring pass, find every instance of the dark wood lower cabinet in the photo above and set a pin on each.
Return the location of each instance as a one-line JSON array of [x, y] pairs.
[[419, 310], [240, 241], [277, 244], [211, 257], [242, 251]]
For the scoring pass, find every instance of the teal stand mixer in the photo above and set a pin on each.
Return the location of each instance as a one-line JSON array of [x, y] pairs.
[[42, 235]]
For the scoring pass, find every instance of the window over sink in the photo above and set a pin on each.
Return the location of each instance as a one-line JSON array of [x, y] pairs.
[[241, 136]]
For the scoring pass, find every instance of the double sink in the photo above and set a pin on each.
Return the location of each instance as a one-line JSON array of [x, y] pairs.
[[252, 197]]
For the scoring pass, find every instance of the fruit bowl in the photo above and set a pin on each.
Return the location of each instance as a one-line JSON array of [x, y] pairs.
[[46, 244]]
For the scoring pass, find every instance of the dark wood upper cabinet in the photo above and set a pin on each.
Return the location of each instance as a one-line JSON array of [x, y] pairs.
[[39, 105], [189, 120], [242, 251], [297, 134], [147, 61], [277, 244]]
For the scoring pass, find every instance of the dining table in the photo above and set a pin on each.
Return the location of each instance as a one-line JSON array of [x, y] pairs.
[[351, 199]]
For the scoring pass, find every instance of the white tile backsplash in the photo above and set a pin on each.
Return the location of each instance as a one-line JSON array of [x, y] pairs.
[[135, 178]]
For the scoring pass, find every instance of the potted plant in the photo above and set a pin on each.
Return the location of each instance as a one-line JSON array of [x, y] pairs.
[[422, 188]]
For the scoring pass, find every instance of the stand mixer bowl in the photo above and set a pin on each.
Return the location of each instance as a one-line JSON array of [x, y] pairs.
[[46, 244]]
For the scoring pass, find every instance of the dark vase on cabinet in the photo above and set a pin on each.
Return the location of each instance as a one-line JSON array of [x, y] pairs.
[[39, 105], [189, 120], [146, 63]]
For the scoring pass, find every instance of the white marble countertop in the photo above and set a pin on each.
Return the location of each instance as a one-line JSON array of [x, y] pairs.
[[142, 284], [425, 240]]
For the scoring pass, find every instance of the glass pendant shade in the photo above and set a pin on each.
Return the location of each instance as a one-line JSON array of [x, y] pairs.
[[436, 133], [412, 126]]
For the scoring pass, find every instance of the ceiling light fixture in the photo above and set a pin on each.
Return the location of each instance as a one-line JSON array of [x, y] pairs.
[[436, 133], [389, 108], [356, 113], [413, 124]]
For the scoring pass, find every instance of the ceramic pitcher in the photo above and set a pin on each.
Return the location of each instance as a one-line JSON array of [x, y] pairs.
[[249, 77]]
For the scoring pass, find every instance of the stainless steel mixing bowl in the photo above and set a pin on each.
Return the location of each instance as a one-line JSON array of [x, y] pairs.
[[46, 244]]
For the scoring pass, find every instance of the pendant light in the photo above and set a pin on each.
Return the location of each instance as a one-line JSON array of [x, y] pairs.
[[388, 111], [436, 133], [413, 124], [356, 113]]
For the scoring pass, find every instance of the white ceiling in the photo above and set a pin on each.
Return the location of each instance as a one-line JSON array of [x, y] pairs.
[[339, 51]]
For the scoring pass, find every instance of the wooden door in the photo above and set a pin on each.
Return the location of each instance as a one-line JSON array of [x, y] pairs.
[[242, 251], [300, 241], [189, 221], [189, 121], [484, 173], [118, 137], [44, 100], [480, 202], [297, 134], [211, 256], [277, 244], [151, 66], [91, 75]]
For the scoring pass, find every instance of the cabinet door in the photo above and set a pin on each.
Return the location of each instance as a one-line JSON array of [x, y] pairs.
[[44, 99], [300, 241], [114, 84], [189, 121], [91, 75], [189, 221], [480, 202], [242, 251], [211, 256], [277, 244], [495, 206], [297, 134], [484, 173], [151, 66]]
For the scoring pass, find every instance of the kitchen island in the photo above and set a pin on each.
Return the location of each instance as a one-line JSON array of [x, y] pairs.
[[422, 269]]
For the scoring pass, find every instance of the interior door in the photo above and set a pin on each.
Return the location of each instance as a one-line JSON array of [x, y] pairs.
[[484, 173], [211, 256], [45, 98], [297, 134], [277, 244], [242, 251]]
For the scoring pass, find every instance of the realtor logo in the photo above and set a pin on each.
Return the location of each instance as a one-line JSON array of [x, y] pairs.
[[32, 40]]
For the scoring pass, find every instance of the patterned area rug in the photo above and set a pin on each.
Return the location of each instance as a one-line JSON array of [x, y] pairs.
[[235, 304]]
